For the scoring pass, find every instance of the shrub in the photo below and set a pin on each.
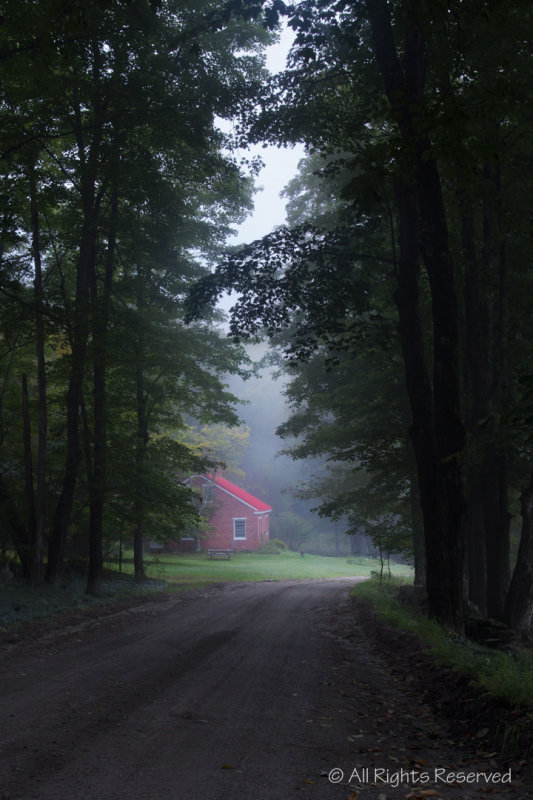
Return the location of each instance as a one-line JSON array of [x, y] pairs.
[[279, 543], [270, 548]]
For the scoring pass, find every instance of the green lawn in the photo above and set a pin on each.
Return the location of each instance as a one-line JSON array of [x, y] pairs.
[[198, 568], [20, 603]]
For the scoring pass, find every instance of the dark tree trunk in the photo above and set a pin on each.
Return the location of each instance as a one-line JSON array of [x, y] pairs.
[[140, 459], [448, 543], [40, 496], [519, 603], [441, 577], [10, 524], [497, 518], [140, 446], [438, 435], [97, 488], [486, 393], [497, 521], [73, 401], [476, 556], [476, 389], [26, 552], [16, 531], [417, 522], [88, 157]]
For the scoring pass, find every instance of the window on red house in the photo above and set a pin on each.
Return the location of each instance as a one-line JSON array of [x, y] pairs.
[[239, 529]]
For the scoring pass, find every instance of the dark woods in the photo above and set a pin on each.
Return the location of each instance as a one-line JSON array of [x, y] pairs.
[[415, 258], [398, 292], [116, 185]]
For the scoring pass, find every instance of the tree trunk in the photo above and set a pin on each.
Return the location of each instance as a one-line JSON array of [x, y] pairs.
[[88, 158], [448, 543], [485, 380], [497, 522], [476, 556], [140, 458], [475, 381], [438, 434], [11, 524], [440, 572], [417, 522], [140, 447], [519, 604], [73, 400], [97, 487], [40, 497], [495, 466], [27, 551]]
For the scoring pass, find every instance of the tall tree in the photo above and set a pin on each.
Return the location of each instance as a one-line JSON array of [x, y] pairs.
[[393, 90], [118, 110]]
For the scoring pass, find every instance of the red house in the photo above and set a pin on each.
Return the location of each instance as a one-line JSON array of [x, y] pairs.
[[238, 520]]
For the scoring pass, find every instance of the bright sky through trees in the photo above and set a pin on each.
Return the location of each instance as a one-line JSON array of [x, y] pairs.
[[280, 166]]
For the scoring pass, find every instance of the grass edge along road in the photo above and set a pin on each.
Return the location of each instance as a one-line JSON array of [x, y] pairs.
[[21, 603], [504, 674], [197, 568]]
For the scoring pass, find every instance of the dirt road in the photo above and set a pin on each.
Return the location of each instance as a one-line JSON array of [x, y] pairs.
[[264, 691]]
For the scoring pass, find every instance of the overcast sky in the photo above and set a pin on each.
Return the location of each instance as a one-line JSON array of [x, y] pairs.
[[280, 167]]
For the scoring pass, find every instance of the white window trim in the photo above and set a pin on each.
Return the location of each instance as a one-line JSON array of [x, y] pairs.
[[239, 538]]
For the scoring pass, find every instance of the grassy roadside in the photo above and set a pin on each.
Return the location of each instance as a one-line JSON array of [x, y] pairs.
[[21, 604], [506, 676]]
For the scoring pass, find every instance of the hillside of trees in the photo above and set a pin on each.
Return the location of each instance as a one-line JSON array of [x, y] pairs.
[[396, 298]]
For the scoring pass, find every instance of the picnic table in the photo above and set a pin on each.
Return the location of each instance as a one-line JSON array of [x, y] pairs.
[[219, 553]]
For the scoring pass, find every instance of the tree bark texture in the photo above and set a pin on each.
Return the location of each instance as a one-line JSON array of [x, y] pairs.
[[88, 157], [27, 551], [140, 460], [140, 446], [519, 603], [417, 522], [40, 494], [475, 382], [438, 434], [73, 401], [486, 395], [497, 517], [97, 483]]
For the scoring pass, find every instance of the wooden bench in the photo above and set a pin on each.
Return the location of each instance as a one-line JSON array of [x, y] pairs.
[[214, 553]]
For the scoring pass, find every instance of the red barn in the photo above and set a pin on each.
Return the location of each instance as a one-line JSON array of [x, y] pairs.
[[239, 521]]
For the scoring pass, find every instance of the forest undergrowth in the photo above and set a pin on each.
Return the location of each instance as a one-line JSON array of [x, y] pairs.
[[485, 689]]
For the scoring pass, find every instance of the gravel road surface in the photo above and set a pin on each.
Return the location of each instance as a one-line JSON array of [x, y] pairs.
[[249, 691]]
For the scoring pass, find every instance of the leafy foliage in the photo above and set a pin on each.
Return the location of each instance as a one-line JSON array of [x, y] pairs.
[[118, 186], [413, 115]]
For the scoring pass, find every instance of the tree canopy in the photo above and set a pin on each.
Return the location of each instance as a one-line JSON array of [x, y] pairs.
[[418, 113], [397, 292], [118, 184]]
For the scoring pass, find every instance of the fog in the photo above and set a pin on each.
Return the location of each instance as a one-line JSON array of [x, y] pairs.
[[274, 477], [270, 475]]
